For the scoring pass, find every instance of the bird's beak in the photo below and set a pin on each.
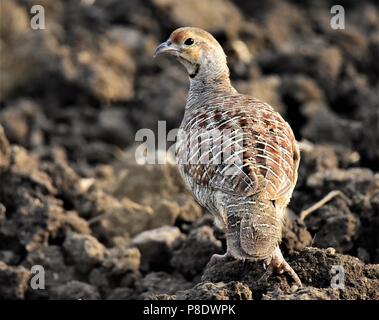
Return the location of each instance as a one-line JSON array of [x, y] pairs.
[[166, 47]]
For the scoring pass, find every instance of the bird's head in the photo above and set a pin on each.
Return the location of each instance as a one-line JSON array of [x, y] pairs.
[[197, 50]]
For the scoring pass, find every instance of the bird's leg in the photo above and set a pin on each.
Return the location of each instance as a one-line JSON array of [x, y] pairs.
[[279, 264]]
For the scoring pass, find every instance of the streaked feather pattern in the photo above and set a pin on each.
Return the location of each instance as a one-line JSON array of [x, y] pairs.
[[270, 155]]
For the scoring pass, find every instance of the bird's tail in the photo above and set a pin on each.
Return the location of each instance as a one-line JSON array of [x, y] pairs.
[[254, 228]]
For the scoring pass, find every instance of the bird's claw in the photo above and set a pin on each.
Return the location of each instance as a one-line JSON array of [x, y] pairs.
[[279, 265]]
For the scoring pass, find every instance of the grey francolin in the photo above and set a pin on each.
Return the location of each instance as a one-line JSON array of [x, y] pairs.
[[238, 156]]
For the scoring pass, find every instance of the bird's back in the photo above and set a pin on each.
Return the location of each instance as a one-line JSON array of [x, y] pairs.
[[239, 145], [239, 157]]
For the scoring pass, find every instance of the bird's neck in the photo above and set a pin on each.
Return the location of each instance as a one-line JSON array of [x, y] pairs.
[[208, 84]]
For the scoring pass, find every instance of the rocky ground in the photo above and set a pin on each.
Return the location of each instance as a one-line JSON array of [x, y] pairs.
[[73, 200]]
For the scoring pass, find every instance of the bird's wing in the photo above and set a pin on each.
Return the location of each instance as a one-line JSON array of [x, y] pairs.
[[257, 151]]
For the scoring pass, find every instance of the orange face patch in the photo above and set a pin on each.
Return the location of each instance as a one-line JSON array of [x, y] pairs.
[[192, 53], [203, 42], [179, 36]]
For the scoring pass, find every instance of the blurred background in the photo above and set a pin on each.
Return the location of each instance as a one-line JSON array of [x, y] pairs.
[[73, 95]]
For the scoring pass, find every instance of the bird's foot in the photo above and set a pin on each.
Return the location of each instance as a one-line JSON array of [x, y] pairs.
[[280, 265]]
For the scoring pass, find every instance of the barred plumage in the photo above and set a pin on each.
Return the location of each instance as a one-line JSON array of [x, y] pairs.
[[270, 153], [236, 154]]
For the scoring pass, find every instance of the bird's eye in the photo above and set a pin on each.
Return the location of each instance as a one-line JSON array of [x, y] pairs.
[[189, 42]]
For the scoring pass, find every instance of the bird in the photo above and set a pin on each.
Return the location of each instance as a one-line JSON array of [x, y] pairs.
[[235, 153]]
